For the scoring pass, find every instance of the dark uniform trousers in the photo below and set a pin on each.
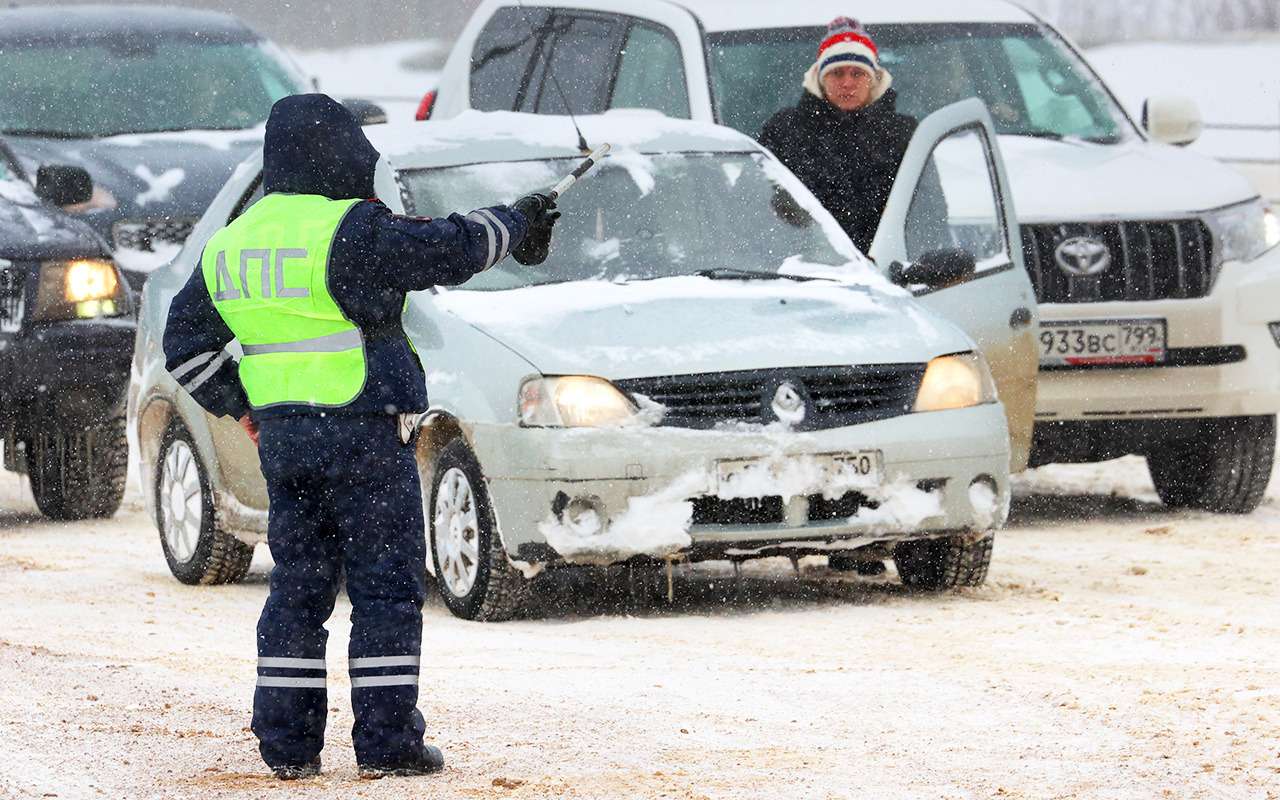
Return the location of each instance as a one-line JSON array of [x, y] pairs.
[[345, 497]]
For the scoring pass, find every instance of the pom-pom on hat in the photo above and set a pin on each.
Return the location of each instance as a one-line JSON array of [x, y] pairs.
[[847, 44]]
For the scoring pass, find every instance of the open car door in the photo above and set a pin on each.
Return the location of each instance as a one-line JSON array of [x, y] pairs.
[[952, 193]]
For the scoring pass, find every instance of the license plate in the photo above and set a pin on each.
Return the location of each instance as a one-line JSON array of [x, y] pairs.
[[1112, 341], [809, 474]]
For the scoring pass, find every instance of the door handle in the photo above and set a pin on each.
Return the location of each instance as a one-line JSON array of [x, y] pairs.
[[1020, 318]]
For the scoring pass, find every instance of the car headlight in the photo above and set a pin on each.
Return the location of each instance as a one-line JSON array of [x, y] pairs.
[[1244, 231], [959, 381], [80, 289], [574, 401]]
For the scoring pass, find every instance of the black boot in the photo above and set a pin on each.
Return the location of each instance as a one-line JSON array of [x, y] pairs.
[[293, 772], [429, 760]]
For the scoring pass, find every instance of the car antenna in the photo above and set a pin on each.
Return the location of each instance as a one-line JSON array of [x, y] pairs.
[[551, 72]]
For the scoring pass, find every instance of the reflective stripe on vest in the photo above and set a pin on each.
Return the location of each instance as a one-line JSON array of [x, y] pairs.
[[267, 273]]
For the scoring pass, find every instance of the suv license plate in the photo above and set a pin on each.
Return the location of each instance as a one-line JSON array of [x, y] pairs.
[[1112, 341], [862, 469]]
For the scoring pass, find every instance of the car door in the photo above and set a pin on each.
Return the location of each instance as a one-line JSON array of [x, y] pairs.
[[952, 192]]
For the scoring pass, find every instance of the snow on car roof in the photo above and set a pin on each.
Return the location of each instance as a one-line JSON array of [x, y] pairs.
[[45, 24], [487, 136], [718, 15]]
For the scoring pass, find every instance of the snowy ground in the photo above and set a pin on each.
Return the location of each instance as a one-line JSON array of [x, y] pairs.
[[1118, 651]]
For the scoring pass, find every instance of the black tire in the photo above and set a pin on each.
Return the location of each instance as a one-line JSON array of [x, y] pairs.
[[217, 556], [499, 591], [935, 565], [1224, 468], [79, 474]]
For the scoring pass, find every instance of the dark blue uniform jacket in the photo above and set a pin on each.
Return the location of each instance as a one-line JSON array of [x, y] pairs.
[[315, 146]]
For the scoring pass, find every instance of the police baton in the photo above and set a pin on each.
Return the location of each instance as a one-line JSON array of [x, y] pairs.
[[582, 169]]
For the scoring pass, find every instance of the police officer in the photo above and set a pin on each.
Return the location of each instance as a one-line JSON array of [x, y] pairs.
[[311, 280]]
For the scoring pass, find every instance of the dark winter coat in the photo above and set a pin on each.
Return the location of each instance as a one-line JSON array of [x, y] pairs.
[[848, 159], [315, 146]]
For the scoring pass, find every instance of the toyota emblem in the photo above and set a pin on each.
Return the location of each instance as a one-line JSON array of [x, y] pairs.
[[788, 404], [1083, 256]]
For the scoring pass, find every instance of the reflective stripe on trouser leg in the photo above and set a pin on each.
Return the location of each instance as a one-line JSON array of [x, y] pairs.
[[373, 672], [291, 673]]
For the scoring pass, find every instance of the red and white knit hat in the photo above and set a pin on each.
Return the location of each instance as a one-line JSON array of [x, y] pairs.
[[847, 45]]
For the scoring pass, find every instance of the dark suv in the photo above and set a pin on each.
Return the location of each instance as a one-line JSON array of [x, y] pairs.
[[66, 336]]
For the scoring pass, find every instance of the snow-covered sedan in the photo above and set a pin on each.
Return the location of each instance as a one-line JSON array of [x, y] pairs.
[[705, 368]]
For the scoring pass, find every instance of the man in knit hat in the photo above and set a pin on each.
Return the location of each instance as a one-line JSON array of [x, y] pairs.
[[845, 139]]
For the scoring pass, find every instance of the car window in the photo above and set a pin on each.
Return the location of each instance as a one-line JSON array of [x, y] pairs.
[[651, 73], [109, 86], [1032, 83], [618, 225], [500, 58], [957, 203], [581, 52]]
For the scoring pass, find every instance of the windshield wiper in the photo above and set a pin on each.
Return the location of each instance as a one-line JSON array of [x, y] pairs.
[[727, 274], [50, 134], [1053, 135]]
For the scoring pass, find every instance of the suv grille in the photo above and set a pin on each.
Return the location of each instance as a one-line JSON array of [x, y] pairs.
[[1149, 261], [833, 396], [12, 288], [143, 234]]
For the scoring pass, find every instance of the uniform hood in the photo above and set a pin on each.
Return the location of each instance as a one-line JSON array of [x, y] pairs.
[[314, 145]]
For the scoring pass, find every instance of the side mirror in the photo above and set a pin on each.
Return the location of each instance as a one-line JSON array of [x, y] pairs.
[[62, 185], [366, 113], [1172, 119], [936, 269]]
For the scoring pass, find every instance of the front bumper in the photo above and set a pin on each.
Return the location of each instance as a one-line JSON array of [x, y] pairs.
[[73, 371], [652, 475], [1230, 357]]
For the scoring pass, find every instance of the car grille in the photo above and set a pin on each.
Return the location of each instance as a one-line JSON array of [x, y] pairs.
[[12, 288], [1150, 261], [146, 233], [833, 396], [771, 510]]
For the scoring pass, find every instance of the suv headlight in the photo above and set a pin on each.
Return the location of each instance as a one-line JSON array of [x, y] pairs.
[[959, 381], [1244, 231], [574, 401], [81, 289]]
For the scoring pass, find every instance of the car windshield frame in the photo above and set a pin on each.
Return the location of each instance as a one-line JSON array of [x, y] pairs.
[[830, 256], [890, 35], [249, 69]]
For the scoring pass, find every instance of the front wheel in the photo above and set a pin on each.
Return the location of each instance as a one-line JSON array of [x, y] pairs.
[[197, 550], [934, 565], [1224, 468], [79, 474], [473, 573]]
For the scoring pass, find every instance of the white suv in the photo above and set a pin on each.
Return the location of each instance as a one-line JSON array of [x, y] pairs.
[[1155, 268]]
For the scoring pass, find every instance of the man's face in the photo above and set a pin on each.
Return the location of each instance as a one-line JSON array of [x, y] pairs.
[[848, 88]]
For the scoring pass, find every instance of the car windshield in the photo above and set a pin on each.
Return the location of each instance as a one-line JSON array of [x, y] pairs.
[[639, 217], [115, 86], [1031, 82]]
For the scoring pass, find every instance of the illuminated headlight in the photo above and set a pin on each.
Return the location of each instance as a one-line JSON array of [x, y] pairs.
[[1243, 232], [958, 381], [82, 289], [575, 401]]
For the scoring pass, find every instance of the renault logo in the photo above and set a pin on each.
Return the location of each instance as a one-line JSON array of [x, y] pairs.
[[1082, 256], [788, 404]]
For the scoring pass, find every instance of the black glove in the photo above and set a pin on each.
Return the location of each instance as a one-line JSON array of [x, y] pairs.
[[540, 211]]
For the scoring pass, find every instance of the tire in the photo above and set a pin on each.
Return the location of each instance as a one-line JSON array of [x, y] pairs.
[[196, 549], [1225, 468], [473, 574], [80, 474], [935, 565]]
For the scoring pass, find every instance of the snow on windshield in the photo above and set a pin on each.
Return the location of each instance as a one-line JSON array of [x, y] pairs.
[[640, 217]]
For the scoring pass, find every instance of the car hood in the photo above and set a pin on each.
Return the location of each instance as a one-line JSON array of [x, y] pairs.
[[150, 175], [30, 230], [691, 325], [1071, 181]]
